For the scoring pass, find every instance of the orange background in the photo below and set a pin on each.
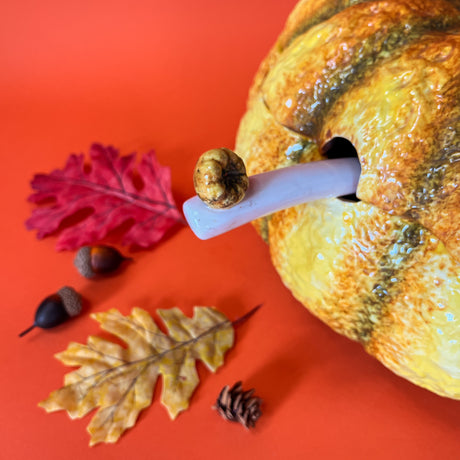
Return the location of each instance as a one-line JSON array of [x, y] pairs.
[[173, 76]]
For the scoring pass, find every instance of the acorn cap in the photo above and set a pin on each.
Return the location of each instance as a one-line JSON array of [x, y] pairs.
[[71, 300], [83, 262]]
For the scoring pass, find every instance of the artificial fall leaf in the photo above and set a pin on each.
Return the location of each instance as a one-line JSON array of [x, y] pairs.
[[120, 381], [107, 190]]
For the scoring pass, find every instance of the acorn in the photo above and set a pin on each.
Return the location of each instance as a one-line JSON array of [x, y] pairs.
[[98, 260], [56, 309]]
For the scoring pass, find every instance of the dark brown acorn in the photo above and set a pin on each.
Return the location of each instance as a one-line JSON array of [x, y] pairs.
[[98, 260], [56, 309]]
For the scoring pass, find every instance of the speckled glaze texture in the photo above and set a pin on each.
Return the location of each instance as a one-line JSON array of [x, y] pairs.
[[384, 271]]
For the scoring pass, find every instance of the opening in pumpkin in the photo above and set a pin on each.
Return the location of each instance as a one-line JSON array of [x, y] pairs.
[[339, 147]]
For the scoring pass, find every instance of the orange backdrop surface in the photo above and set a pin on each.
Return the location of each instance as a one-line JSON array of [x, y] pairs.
[[173, 76]]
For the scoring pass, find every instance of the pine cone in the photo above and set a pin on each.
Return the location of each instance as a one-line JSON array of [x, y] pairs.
[[236, 405]]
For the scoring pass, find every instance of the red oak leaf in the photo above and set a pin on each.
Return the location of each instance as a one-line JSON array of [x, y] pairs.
[[107, 190]]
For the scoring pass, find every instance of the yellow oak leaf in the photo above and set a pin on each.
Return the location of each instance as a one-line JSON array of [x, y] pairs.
[[120, 380]]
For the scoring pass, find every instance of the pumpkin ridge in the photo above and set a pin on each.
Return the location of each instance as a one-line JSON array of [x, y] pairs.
[[394, 44], [309, 14], [436, 166], [303, 18], [392, 264], [365, 48], [435, 196]]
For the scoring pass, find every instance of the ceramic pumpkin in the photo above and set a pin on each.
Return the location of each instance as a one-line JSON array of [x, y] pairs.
[[383, 270]]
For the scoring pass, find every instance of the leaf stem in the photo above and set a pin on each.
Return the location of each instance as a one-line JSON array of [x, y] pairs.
[[246, 316]]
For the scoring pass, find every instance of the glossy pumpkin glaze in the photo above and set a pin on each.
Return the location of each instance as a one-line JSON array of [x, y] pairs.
[[384, 271]]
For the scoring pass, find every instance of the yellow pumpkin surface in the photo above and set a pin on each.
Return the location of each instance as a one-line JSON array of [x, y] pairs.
[[384, 271]]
